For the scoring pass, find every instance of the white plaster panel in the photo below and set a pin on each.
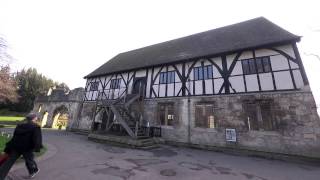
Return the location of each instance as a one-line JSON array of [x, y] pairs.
[[198, 85], [218, 61], [283, 80], [179, 67], [266, 81], [101, 82], [198, 63], [177, 78], [155, 72], [170, 68], [293, 65], [237, 69], [298, 78], [88, 95], [252, 82], [246, 55], [141, 73], [190, 87], [216, 73], [265, 52], [170, 90], [206, 62], [287, 49], [122, 84], [230, 58], [279, 62], [237, 83], [95, 94], [190, 75], [162, 90], [107, 94], [177, 89], [217, 85], [155, 88], [208, 85], [121, 91]]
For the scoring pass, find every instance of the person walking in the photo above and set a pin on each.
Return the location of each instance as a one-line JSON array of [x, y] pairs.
[[27, 138]]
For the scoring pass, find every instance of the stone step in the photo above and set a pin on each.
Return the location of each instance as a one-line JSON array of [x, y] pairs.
[[146, 140], [147, 143], [149, 147], [143, 137]]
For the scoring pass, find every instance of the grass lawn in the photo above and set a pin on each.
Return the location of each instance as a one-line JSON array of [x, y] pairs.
[[10, 120], [5, 139]]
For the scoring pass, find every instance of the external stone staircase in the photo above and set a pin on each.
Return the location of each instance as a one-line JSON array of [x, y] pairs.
[[138, 136]]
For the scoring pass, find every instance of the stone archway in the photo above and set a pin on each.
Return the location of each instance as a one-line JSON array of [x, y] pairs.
[[44, 118], [60, 117]]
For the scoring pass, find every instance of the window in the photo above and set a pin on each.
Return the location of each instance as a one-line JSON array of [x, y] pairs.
[[252, 66], [204, 116], [167, 77], [259, 65], [204, 72], [94, 86], [115, 84], [166, 114], [259, 116], [266, 64]]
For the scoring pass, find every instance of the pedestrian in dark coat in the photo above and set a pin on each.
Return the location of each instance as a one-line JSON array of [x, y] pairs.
[[26, 139]]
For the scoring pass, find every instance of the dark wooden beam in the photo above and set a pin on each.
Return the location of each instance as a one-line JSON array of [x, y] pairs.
[[299, 62]]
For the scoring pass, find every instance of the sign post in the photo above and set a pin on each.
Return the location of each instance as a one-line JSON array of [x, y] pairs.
[[231, 135]]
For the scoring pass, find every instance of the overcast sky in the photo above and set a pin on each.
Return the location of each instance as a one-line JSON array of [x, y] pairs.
[[67, 39]]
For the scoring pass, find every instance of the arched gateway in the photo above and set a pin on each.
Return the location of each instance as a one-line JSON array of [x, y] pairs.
[[59, 108]]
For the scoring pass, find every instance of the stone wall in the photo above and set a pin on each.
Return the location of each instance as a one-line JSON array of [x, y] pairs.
[[298, 132], [72, 101], [86, 116]]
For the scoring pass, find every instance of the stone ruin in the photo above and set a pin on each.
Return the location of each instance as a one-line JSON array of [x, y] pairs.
[[59, 108]]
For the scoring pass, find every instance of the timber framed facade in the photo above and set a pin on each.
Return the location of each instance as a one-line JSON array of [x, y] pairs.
[[213, 75], [247, 77]]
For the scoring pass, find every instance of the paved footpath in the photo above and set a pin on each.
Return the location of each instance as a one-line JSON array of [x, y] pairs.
[[73, 157]]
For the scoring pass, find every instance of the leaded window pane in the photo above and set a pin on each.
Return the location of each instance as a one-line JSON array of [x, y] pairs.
[[259, 65], [163, 78], [115, 84], [196, 72], [266, 64], [245, 67], [205, 72], [200, 69], [252, 66], [172, 77], [210, 72]]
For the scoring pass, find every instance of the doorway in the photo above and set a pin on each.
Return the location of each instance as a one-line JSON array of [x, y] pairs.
[[139, 86]]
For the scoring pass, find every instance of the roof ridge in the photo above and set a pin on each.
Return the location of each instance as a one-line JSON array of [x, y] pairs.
[[242, 35]]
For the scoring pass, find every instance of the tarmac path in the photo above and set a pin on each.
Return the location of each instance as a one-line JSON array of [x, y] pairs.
[[72, 157]]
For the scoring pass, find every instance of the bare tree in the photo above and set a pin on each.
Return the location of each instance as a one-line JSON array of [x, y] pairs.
[[8, 86], [312, 54]]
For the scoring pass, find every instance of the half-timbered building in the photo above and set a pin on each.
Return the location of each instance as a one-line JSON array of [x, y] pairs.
[[241, 86]]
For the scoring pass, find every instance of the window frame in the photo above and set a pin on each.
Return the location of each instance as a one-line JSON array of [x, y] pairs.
[[203, 72], [94, 86], [203, 119], [168, 113], [115, 83], [167, 77], [264, 119], [256, 65]]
